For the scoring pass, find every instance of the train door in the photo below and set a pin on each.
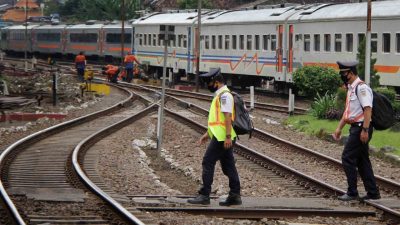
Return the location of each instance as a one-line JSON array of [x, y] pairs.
[[277, 45], [289, 67]]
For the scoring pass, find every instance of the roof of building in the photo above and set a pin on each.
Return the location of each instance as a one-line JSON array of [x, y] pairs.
[[32, 4], [19, 14]]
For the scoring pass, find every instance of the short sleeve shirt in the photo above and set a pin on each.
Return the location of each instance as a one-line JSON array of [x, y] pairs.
[[358, 101], [226, 101]]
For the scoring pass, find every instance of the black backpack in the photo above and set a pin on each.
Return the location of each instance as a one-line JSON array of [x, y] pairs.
[[242, 123], [383, 116]]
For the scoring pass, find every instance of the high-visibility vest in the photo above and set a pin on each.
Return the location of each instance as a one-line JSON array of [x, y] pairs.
[[129, 59], [216, 119]]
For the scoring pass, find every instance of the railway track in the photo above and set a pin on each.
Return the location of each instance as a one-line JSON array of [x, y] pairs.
[[38, 167]]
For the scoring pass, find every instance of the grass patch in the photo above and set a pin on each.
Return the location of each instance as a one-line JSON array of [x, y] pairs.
[[318, 127]]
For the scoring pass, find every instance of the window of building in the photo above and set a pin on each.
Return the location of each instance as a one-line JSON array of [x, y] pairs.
[[145, 39], [234, 42], [374, 42], [265, 42], [213, 42], [273, 42], [257, 42], [317, 42], [49, 37], [349, 42], [83, 38], [140, 39], [241, 42], [227, 42], [338, 42], [327, 42], [360, 38], [386, 42], [398, 43], [249, 42], [184, 41], [307, 42], [219, 41], [154, 39], [207, 42]]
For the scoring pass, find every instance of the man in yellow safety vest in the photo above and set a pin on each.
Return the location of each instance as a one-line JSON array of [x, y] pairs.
[[222, 137]]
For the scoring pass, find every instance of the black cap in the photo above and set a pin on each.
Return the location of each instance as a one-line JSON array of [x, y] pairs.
[[211, 73], [346, 66]]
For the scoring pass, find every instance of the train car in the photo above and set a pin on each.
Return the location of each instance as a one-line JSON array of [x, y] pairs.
[[149, 49], [49, 39], [84, 37], [248, 45], [111, 40], [324, 34], [14, 40]]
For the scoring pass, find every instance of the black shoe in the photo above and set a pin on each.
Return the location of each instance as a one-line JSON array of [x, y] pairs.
[[232, 199], [347, 197], [200, 200], [370, 197]]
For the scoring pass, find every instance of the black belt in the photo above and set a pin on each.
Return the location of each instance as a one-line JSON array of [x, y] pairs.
[[357, 124]]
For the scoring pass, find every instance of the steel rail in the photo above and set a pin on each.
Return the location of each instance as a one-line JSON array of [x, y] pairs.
[[88, 142], [35, 137]]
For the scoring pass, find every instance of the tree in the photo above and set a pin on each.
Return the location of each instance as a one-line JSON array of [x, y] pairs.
[[192, 4], [361, 65]]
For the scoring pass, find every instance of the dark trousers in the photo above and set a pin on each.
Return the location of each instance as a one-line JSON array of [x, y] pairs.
[[81, 72], [129, 75], [216, 151], [355, 156]]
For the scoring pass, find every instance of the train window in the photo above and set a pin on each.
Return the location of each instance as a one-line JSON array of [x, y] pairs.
[[386, 42], [234, 42], [48, 37], [80, 38], [3, 36], [227, 42], [18, 36], [257, 42], [317, 42], [149, 39], [307, 42], [207, 42], [213, 42], [154, 37], [273, 42], [265, 42], [327, 42], [338, 42], [374, 42], [116, 38], [241, 42], [145, 39], [398, 43], [184, 41], [349, 42], [219, 41], [249, 42]]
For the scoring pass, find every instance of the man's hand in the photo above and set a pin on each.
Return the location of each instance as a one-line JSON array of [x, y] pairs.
[[203, 139], [336, 135], [228, 143], [364, 137]]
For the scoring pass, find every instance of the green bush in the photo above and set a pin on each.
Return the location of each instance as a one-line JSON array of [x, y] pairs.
[[341, 95], [388, 92], [323, 106], [312, 80]]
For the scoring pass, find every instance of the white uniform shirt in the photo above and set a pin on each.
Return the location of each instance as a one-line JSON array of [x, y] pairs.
[[355, 103], [226, 101]]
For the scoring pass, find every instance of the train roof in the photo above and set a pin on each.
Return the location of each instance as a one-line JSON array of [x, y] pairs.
[[21, 27], [250, 16], [380, 9], [118, 26], [168, 18], [49, 26], [86, 26]]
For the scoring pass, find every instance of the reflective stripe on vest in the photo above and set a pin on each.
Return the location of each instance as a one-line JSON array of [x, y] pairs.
[[216, 119]]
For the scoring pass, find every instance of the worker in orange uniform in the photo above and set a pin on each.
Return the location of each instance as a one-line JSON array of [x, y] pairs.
[[80, 64], [111, 72], [129, 65]]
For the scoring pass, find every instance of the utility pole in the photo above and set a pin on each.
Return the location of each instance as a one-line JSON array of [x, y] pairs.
[[368, 46], [122, 31], [26, 36], [198, 44]]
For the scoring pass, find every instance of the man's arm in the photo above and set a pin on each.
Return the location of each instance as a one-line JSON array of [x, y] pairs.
[[364, 136], [228, 128]]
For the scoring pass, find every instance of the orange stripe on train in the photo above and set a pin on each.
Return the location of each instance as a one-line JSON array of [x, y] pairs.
[[118, 49], [379, 68], [49, 46], [84, 47]]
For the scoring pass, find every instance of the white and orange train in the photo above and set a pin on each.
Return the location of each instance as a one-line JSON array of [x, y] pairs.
[[248, 45], [95, 39]]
